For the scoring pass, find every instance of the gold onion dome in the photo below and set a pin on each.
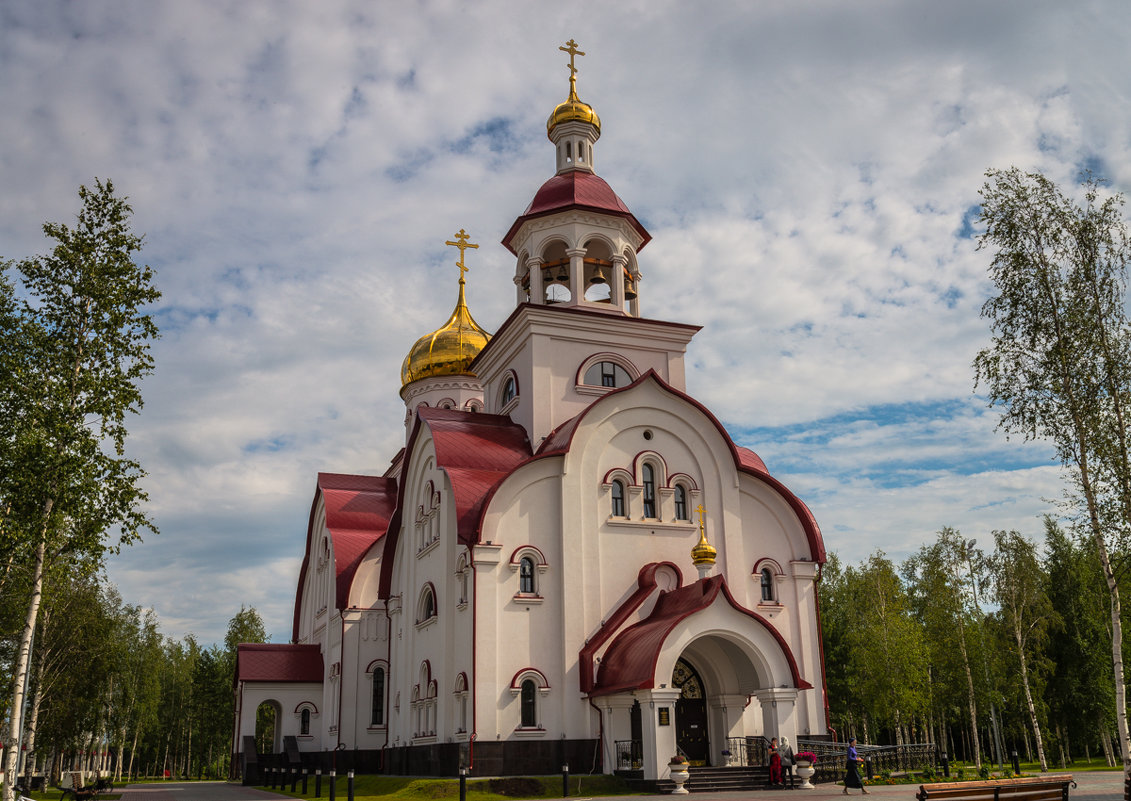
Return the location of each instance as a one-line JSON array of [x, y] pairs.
[[573, 109], [450, 349]]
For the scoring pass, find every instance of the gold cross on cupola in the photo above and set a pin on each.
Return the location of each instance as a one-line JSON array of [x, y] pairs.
[[571, 48], [462, 243]]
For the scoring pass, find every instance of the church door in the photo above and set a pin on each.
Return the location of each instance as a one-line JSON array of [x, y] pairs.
[[690, 714]]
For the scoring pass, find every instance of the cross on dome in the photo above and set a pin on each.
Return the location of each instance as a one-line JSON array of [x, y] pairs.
[[571, 48], [462, 243]]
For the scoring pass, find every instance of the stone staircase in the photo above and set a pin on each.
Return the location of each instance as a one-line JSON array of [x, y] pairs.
[[718, 780]]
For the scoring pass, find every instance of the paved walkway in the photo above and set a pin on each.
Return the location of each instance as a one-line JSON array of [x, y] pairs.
[[1091, 786], [193, 791]]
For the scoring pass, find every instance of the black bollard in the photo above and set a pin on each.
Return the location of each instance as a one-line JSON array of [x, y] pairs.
[[294, 779], [318, 783], [333, 784], [304, 772], [350, 785], [868, 768], [565, 780], [945, 765], [270, 778], [1016, 763], [463, 784]]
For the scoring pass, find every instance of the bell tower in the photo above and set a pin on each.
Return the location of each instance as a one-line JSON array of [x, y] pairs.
[[576, 332], [577, 242]]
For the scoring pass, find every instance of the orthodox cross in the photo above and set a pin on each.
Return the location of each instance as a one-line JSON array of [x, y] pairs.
[[571, 48], [461, 243], [702, 525]]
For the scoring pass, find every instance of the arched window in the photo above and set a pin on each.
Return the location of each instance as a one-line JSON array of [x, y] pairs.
[[649, 479], [377, 707], [526, 575], [426, 606], [304, 721], [618, 499], [767, 584], [529, 704], [681, 503], [607, 374], [510, 389]]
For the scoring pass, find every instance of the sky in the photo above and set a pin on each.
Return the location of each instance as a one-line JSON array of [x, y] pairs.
[[809, 172]]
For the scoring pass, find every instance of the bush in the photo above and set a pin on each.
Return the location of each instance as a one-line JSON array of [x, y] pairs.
[[984, 772]]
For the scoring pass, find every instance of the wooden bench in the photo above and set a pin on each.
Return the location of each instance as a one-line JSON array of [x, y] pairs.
[[1031, 788]]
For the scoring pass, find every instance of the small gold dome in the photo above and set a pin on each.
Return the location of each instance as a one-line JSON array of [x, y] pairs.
[[572, 110], [449, 350], [704, 553]]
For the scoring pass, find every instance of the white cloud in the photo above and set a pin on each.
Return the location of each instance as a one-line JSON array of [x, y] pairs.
[[806, 170]]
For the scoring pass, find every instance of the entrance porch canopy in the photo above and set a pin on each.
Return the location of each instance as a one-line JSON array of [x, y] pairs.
[[681, 616]]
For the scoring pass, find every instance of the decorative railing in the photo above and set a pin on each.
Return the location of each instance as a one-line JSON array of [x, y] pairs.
[[878, 759], [747, 751], [630, 754]]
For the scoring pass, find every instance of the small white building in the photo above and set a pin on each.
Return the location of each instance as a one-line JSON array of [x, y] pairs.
[[571, 560]]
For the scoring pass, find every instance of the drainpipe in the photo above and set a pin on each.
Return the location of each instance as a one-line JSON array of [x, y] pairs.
[[474, 642]]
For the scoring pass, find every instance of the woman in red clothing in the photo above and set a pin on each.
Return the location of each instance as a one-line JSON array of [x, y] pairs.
[[775, 763]]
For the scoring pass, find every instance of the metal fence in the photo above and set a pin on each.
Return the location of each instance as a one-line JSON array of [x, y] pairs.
[[878, 759]]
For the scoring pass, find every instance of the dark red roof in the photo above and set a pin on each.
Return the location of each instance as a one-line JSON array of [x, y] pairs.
[[629, 663], [358, 509], [576, 189], [476, 451], [278, 662]]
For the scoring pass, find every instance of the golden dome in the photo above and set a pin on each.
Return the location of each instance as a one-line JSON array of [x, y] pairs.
[[449, 350], [704, 553], [573, 110]]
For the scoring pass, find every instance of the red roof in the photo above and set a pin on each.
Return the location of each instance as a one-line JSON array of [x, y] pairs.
[[278, 662], [630, 661], [358, 509], [576, 189], [476, 451]]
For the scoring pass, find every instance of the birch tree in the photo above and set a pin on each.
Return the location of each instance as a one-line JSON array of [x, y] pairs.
[[84, 342], [1059, 363], [1018, 589]]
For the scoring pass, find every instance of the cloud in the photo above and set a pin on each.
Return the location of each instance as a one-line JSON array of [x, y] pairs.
[[809, 172]]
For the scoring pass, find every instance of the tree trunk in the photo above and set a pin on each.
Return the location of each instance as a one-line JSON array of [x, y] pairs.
[[23, 661], [1020, 640], [970, 691]]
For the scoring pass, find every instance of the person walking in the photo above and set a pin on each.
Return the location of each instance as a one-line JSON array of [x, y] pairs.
[[852, 769]]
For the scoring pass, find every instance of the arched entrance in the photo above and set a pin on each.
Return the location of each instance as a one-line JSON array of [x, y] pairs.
[[691, 735], [268, 719]]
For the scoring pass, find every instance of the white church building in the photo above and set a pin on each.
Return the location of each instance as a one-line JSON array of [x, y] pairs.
[[570, 560]]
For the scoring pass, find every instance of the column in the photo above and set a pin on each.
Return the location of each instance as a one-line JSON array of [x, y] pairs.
[[576, 274], [658, 719], [778, 717], [537, 287]]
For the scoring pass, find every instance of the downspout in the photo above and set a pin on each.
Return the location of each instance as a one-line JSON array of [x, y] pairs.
[[821, 646], [388, 674], [341, 681], [600, 736], [474, 660]]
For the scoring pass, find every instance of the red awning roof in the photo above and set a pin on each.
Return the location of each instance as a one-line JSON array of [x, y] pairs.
[[629, 663], [278, 662]]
